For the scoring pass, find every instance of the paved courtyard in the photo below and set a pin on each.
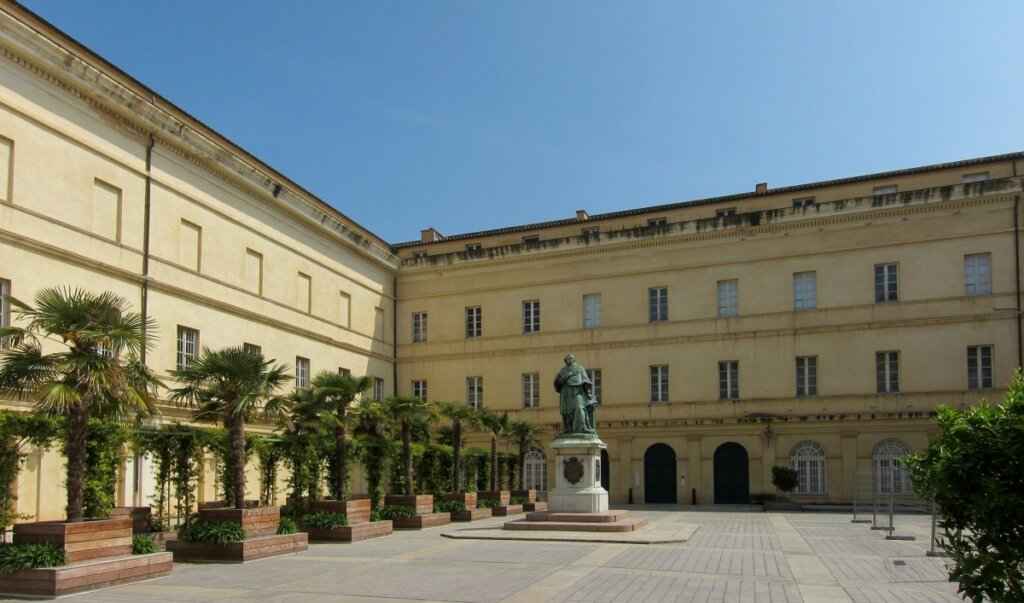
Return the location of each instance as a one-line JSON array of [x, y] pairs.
[[743, 557]]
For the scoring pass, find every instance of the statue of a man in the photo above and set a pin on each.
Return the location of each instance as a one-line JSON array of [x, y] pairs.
[[576, 398]]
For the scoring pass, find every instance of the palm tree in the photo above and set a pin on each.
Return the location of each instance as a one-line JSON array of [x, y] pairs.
[[498, 425], [373, 427], [461, 415], [232, 385], [95, 373], [329, 397], [405, 412], [525, 435]]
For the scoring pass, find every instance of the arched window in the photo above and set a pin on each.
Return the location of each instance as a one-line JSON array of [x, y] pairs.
[[808, 460], [890, 475], [536, 471]]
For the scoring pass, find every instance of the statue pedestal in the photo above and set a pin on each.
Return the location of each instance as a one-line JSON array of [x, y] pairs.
[[578, 476]]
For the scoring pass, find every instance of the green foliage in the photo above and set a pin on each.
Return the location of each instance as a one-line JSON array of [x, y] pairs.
[[487, 503], [376, 444], [17, 430], [449, 506], [974, 472], [324, 521], [287, 526], [434, 470], [104, 453], [212, 532], [396, 512], [270, 453], [786, 479], [518, 500], [177, 450], [142, 544], [15, 557]]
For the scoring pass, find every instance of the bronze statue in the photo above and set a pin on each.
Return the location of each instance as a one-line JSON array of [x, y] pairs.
[[576, 398]]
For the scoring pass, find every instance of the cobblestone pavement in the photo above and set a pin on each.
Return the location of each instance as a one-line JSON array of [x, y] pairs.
[[744, 557]]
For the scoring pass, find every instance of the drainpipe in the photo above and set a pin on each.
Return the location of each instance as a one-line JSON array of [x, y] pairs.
[[145, 243], [1016, 262], [394, 333]]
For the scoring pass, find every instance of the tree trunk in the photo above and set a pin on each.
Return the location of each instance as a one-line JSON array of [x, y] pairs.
[[522, 465], [494, 463], [456, 456], [340, 458], [78, 431], [238, 460], [410, 489]]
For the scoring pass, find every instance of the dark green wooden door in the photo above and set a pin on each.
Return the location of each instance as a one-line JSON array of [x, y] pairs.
[[732, 475], [606, 471], [660, 474]]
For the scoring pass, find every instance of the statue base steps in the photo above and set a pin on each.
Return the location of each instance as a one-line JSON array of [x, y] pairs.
[[615, 521]]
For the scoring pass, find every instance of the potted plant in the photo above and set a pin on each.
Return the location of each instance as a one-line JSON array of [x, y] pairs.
[[785, 480]]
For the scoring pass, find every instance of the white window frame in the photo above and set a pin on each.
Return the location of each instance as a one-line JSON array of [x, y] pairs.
[[378, 389], [531, 390], [805, 290], [890, 476], [728, 379], [659, 383], [535, 471], [887, 372], [188, 346], [419, 389], [595, 379], [978, 274], [474, 322], [657, 304], [728, 298], [887, 282], [419, 327], [808, 460], [475, 391], [591, 310], [531, 316], [806, 376], [252, 348], [302, 372], [980, 359]]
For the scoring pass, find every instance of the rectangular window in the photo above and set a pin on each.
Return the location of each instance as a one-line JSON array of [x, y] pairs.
[[475, 391], [888, 189], [106, 210], [419, 327], [887, 367], [728, 292], [657, 304], [531, 390], [886, 283], [531, 316], [805, 290], [190, 252], [979, 367], [6, 169], [188, 346], [975, 177], [978, 273], [657, 222], [806, 376], [5, 305], [344, 371], [252, 348], [591, 310], [659, 383], [378, 389], [729, 380], [254, 271], [595, 378], [474, 322], [301, 372], [345, 309], [304, 292], [379, 327], [419, 389]]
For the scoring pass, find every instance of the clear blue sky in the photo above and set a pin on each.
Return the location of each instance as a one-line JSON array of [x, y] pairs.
[[479, 114]]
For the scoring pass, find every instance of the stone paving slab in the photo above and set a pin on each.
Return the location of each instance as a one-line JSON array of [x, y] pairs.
[[676, 534]]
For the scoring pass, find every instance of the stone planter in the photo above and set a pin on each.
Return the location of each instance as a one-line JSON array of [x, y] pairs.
[[82, 540], [427, 520], [422, 504], [507, 510], [528, 496], [501, 497], [239, 552], [355, 509], [353, 533], [142, 518], [261, 521], [471, 514], [466, 498], [48, 582]]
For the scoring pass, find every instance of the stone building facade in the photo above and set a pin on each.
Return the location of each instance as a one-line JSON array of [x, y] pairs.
[[818, 325]]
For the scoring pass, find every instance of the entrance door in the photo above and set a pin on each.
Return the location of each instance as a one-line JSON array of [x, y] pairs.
[[606, 471], [732, 475], [660, 474]]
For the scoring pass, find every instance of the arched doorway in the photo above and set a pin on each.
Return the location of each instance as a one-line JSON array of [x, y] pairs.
[[606, 471], [535, 471], [732, 475], [660, 474]]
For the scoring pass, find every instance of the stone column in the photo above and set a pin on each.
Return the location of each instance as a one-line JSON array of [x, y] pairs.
[[694, 477]]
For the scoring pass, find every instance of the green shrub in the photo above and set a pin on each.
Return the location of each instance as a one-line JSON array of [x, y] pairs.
[[142, 544], [393, 512], [487, 503], [785, 479], [212, 532], [449, 506], [325, 521], [15, 557], [287, 526], [518, 500]]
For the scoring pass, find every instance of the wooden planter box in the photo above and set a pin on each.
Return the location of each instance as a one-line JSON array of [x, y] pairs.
[[357, 510], [466, 498], [223, 504], [85, 575], [82, 540], [261, 521], [535, 507], [141, 517], [421, 503], [238, 552], [427, 520], [503, 497], [471, 514], [362, 531], [160, 539], [529, 495], [507, 510]]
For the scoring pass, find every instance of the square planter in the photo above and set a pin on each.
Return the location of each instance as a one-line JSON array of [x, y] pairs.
[[528, 496], [421, 503], [141, 517], [82, 540], [48, 582], [427, 520], [507, 510], [535, 507], [357, 510], [471, 514], [261, 521], [501, 497], [362, 531], [238, 552], [466, 498]]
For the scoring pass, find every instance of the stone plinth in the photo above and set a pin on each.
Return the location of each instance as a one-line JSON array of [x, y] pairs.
[[578, 476]]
